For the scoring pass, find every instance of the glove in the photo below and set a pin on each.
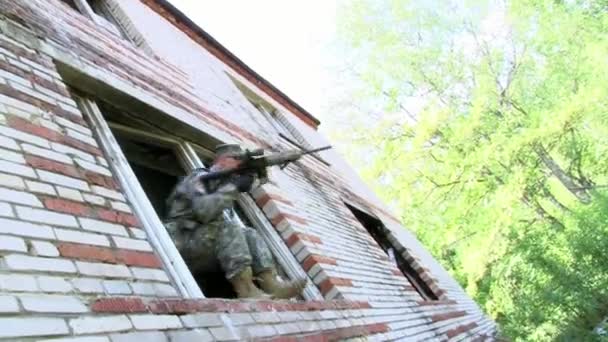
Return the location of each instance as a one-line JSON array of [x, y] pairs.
[[243, 182]]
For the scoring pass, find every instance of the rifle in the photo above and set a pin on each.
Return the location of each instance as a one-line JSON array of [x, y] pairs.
[[256, 161]]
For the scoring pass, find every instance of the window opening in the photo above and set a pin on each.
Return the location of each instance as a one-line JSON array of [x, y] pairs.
[[70, 3], [106, 18], [273, 116], [157, 169], [99, 8], [379, 232], [100, 12], [147, 160], [270, 116]]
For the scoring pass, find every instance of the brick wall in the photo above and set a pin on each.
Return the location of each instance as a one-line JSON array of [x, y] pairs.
[[75, 261]]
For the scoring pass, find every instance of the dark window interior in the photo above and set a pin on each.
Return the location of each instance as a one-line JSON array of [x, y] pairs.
[[70, 3], [378, 231], [99, 8], [156, 168]]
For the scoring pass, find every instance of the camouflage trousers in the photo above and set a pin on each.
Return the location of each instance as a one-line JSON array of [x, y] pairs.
[[221, 245]]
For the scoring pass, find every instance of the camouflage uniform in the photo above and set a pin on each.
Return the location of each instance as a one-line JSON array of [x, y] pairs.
[[206, 230]]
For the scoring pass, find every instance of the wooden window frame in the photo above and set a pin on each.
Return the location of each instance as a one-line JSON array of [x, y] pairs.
[[188, 154]]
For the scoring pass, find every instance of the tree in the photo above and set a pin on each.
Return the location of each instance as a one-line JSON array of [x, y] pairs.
[[494, 147]]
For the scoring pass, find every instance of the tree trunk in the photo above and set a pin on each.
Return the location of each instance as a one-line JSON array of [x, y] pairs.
[[576, 189]]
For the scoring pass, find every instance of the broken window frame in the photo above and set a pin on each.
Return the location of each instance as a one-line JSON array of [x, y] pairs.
[[106, 19], [188, 154], [285, 131], [413, 277]]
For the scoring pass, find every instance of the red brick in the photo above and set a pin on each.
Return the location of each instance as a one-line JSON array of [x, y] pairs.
[[210, 305], [320, 337], [264, 306], [283, 306], [327, 284], [397, 272], [264, 199], [68, 207], [344, 333], [314, 259], [362, 305], [117, 217], [75, 143], [119, 305], [447, 315], [18, 50], [297, 237], [342, 304], [28, 127], [309, 237], [315, 306], [86, 252], [237, 306], [52, 166], [281, 339], [180, 306], [101, 180], [377, 328], [133, 258], [285, 216], [69, 116], [460, 329], [174, 306], [12, 92]]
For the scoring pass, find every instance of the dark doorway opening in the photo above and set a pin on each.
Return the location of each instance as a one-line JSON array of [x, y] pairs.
[[379, 232]]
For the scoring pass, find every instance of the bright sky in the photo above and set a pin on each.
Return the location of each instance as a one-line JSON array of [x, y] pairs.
[[285, 41]]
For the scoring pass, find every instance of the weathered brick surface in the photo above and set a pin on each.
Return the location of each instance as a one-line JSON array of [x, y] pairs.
[[69, 233], [86, 252]]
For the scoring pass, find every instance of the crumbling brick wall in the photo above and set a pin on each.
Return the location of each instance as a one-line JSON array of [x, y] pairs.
[[76, 262]]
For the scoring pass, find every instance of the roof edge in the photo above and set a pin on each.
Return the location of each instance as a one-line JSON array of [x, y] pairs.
[[195, 32]]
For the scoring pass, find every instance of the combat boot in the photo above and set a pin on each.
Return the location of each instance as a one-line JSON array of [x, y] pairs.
[[244, 287], [280, 289]]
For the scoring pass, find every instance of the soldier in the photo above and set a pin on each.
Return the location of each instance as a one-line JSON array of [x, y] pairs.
[[203, 224]]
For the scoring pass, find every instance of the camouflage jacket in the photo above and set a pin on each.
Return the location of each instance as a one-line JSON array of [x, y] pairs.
[[193, 203]]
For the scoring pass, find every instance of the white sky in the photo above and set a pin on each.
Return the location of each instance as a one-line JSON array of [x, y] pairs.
[[285, 41]]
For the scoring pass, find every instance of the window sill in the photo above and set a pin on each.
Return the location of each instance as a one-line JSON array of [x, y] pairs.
[[184, 306], [250, 319]]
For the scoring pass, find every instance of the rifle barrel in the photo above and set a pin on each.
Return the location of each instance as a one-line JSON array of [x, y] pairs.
[[324, 148]]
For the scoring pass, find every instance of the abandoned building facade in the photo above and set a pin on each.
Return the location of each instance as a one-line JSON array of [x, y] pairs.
[[104, 105]]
